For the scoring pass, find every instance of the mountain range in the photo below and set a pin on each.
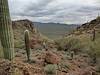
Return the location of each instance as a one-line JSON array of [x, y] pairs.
[[54, 30]]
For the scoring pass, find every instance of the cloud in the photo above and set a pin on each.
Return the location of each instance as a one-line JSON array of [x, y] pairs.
[[63, 11]]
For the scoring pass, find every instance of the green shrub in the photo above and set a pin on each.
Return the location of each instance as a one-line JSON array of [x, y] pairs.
[[69, 44], [72, 43], [19, 44], [94, 48], [50, 69], [63, 66]]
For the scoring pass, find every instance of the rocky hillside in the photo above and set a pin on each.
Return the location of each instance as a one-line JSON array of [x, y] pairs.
[[87, 27], [81, 40], [65, 58], [20, 26], [90, 25]]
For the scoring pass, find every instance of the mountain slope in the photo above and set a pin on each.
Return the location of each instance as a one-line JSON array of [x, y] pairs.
[[47, 60], [54, 30], [19, 27], [90, 25]]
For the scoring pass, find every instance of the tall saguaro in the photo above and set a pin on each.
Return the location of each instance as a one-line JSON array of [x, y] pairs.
[[6, 32]]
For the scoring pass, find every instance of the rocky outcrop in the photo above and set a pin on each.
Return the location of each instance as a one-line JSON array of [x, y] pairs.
[[20, 26], [52, 58], [23, 24]]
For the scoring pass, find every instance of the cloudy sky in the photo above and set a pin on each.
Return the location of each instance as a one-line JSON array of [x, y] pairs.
[[62, 11]]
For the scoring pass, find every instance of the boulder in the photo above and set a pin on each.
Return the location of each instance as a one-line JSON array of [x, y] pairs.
[[52, 58]]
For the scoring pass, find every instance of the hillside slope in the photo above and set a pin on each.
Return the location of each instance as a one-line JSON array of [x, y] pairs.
[[20, 26], [84, 34], [80, 42], [90, 25], [49, 60]]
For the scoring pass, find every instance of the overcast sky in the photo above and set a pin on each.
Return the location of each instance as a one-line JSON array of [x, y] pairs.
[[62, 11]]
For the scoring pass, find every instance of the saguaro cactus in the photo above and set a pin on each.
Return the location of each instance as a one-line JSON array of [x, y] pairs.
[[27, 44], [6, 34], [94, 35]]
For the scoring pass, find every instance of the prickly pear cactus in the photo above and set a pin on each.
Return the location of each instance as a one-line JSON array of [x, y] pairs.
[[6, 33], [27, 44]]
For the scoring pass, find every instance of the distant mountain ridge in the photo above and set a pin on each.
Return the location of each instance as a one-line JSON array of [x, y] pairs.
[[54, 23], [54, 30]]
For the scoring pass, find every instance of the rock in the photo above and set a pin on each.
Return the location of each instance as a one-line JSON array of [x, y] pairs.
[[86, 73], [25, 72], [52, 58], [33, 42]]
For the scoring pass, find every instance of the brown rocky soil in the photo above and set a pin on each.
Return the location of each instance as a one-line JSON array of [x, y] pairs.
[[79, 65]]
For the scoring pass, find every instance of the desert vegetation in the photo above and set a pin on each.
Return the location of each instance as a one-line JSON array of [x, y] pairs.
[[25, 51]]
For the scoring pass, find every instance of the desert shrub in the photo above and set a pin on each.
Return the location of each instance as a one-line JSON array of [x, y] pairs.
[[19, 44], [72, 44], [94, 48], [63, 66], [69, 44], [50, 69]]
